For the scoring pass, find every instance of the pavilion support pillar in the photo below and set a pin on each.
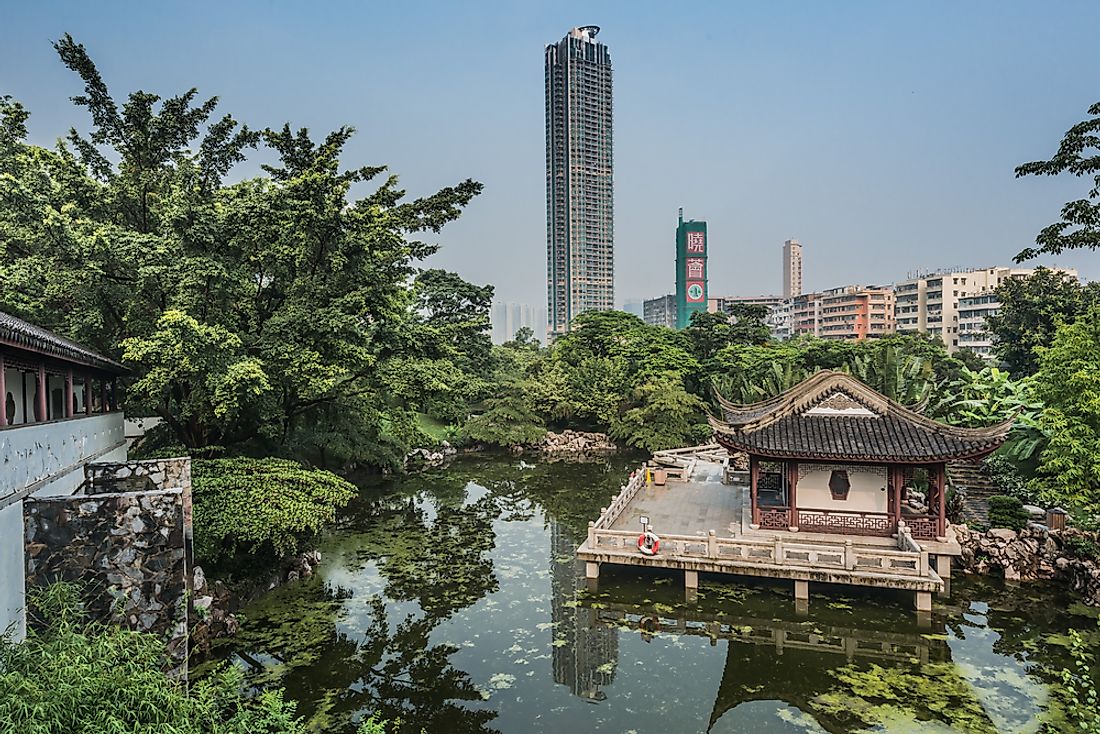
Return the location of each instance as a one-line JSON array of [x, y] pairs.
[[40, 397], [114, 394], [591, 570], [924, 601], [87, 394], [943, 566], [69, 408], [941, 491], [801, 590], [103, 396], [3, 393], [897, 482], [754, 476], [792, 492], [691, 579]]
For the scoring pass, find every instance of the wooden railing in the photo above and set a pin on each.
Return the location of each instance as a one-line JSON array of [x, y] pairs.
[[778, 551], [846, 521]]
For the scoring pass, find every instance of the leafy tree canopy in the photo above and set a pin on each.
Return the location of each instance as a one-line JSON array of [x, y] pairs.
[[1031, 309], [1078, 154]]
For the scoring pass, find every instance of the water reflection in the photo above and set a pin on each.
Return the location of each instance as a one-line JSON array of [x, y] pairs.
[[453, 601]]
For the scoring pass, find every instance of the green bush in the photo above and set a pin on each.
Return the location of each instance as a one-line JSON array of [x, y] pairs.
[[1006, 477], [1007, 512], [79, 677], [261, 505], [1081, 546]]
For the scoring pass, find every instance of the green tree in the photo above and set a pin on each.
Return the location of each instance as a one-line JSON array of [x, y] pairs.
[[665, 415], [128, 236], [1068, 383], [1031, 309], [1078, 154]]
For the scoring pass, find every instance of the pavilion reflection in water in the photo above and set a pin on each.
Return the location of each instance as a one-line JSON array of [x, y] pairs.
[[767, 658]]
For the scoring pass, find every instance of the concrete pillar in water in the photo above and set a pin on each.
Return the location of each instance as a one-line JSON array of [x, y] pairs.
[[943, 566], [802, 590], [591, 570], [924, 601]]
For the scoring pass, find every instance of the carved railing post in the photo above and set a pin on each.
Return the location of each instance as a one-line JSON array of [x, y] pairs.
[[712, 545]]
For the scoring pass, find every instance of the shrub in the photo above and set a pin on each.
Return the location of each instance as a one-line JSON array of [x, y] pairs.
[[1006, 477], [1007, 512], [261, 505], [1081, 546], [80, 677]]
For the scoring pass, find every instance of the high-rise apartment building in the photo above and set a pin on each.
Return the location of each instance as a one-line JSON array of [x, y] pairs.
[[933, 302], [580, 263], [691, 269], [792, 269]]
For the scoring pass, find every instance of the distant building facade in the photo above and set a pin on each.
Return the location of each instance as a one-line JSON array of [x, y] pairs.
[[806, 314], [931, 303], [660, 311], [792, 269], [508, 318], [634, 306], [580, 263], [855, 313], [691, 269], [973, 334]]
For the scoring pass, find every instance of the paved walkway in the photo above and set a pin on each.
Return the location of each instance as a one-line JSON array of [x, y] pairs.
[[687, 508]]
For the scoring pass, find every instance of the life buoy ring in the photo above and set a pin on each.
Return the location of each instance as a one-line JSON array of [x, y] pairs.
[[649, 624], [648, 543]]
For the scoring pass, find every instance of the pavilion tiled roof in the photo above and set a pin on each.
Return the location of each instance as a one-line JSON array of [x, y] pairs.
[[832, 416], [24, 335]]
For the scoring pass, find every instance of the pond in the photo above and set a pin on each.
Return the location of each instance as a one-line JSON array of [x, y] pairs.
[[451, 600]]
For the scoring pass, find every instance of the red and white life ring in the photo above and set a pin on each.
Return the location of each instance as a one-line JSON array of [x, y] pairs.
[[648, 543]]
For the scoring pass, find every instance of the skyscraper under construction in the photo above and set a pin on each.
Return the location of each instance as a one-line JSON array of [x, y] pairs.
[[580, 252]]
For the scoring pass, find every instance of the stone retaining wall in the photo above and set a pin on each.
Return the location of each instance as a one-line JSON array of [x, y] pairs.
[[1031, 554], [129, 550]]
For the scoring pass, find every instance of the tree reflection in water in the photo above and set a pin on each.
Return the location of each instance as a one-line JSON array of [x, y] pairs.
[[462, 552]]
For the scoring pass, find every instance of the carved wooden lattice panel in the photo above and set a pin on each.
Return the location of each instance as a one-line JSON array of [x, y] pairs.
[[922, 527], [847, 524], [775, 519]]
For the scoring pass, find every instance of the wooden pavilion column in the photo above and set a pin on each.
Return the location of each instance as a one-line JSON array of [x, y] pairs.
[[941, 493], [69, 410], [3, 393], [897, 482], [754, 477], [87, 393], [40, 400], [114, 394], [792, 492], [103, 396]]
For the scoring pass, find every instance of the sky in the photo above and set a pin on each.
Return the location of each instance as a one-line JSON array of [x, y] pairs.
[[883, 136]]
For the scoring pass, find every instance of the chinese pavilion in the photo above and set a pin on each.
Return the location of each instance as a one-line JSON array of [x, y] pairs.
[[831, 455]]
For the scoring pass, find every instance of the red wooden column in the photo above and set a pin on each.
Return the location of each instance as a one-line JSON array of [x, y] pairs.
[[87, 394], [941, 491], [792, 491], [114, 394], [897, 481], [3, 393], [40, 402], [103, 396], [754, 476], [69, 393]]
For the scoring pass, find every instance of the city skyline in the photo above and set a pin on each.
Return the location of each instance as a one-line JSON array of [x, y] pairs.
[[908, 163]]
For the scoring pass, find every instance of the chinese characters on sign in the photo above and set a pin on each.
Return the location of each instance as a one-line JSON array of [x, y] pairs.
[[695, 268], [696, 243]]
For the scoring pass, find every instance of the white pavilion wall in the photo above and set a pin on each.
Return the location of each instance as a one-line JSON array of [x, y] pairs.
[[868, 491]]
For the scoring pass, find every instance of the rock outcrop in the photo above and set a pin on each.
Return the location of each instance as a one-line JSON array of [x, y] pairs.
[[1031, 554], [578, 442], [422, 457]]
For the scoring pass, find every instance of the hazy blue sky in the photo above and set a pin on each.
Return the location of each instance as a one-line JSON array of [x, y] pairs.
[[882, 135]]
